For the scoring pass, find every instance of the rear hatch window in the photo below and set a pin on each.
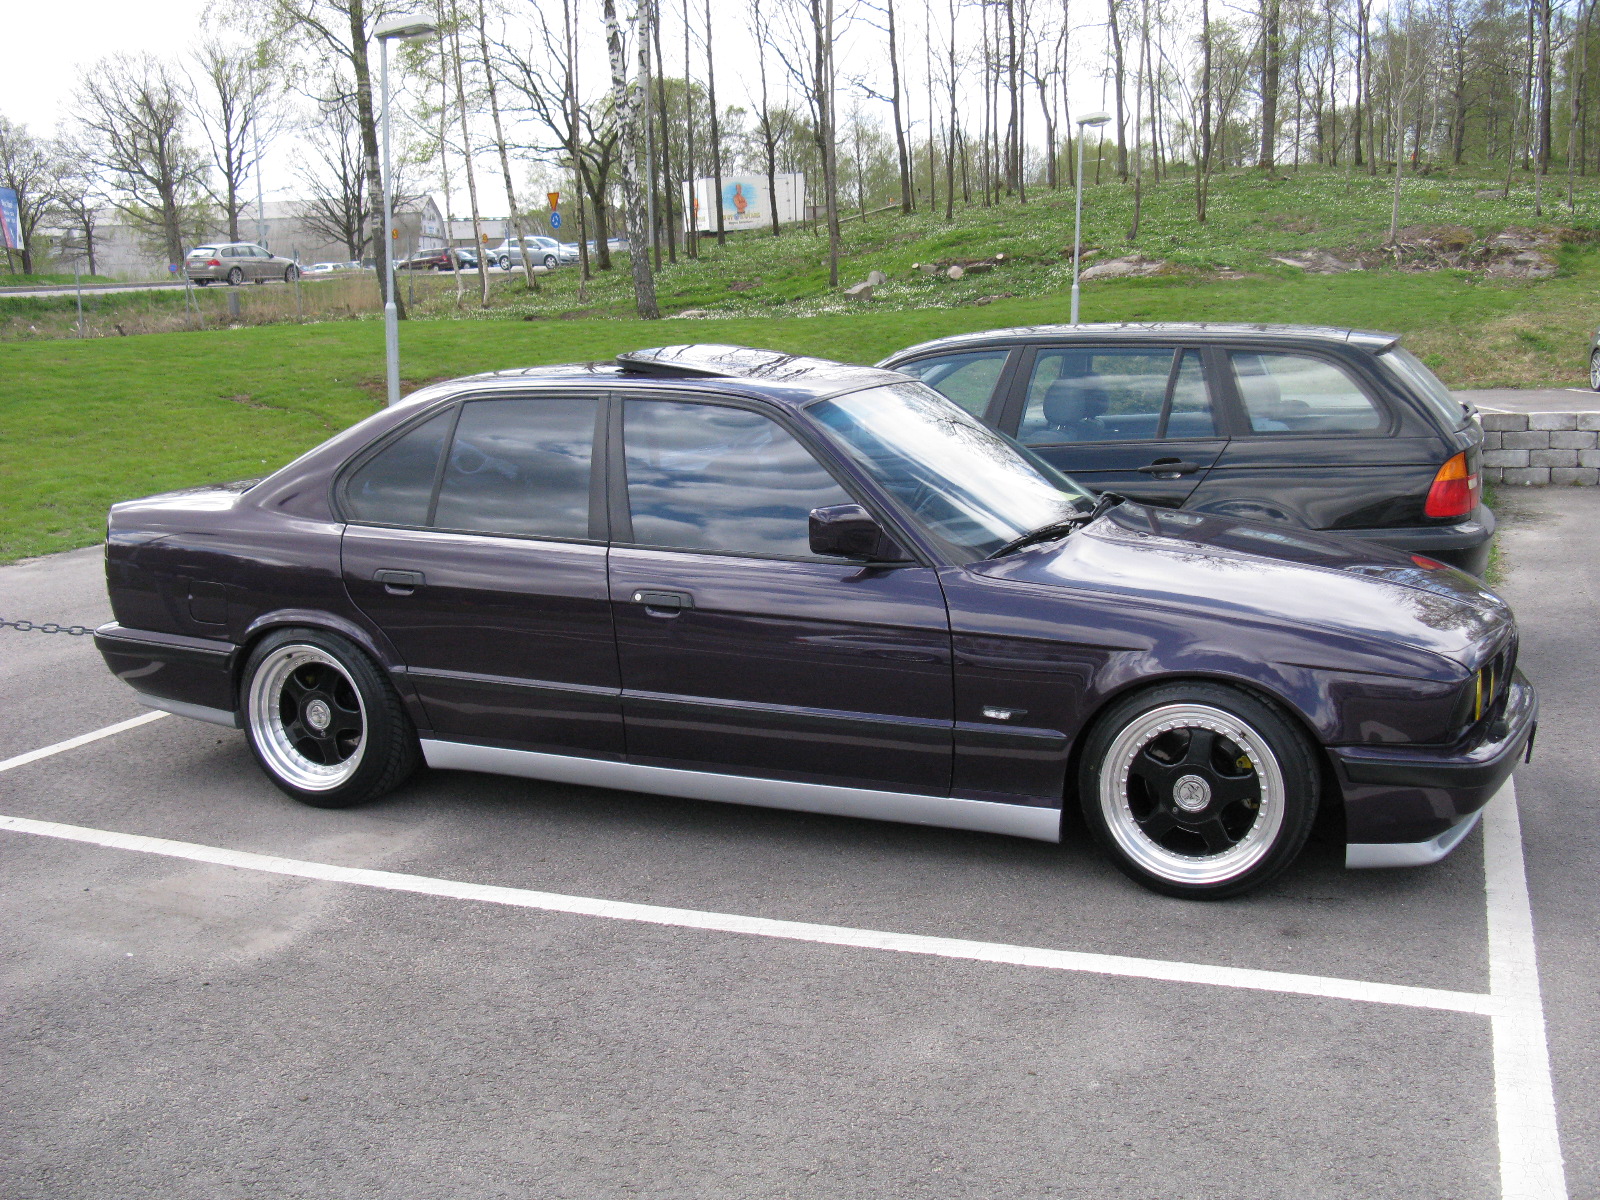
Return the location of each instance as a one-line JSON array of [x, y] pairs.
[[1413, 374], [203, 252]]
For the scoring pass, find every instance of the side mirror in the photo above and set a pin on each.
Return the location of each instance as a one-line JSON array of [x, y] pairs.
[[850, 531]]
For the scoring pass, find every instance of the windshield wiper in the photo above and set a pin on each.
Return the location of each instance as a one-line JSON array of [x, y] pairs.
[[1060, 529]]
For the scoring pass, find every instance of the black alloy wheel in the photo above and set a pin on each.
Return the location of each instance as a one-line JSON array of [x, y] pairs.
[[1198, 790]]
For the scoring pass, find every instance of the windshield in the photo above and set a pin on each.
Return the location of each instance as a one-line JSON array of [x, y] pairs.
[[1414, 373], [970, 486]]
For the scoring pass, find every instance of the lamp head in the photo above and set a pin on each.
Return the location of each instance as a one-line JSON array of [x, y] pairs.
[[1094, 120], [404, 27]]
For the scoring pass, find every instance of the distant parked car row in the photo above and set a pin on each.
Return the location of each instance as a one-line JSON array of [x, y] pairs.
[[441, 259]]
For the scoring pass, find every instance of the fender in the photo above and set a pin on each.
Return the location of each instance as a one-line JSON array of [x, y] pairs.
[[369, 638]]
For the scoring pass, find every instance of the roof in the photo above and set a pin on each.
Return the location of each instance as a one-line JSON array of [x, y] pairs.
[[1220, 331], [786, 378]]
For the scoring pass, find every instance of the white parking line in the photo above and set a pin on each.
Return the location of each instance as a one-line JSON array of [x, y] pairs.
[[800, 931], [83, 739], [1525, 1103], [1530, 1148]]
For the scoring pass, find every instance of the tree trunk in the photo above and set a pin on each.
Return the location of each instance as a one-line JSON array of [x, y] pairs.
[[369, 146], [669, 189], [1119, 68], [627, 104], [1271, 64], [466, 154], [907, 186], [716, 131], [505, 160], [1202, 163]]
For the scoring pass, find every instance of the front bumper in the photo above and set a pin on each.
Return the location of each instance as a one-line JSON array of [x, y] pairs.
[[1464, 544], [1406, 807]]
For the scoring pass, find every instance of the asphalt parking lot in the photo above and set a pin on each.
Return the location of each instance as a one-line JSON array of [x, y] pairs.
[[220, 1015]]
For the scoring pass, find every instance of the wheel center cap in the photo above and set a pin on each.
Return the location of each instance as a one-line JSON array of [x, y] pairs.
[[318, 715], [1191, 793]]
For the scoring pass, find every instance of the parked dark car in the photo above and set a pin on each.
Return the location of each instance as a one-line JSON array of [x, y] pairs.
[[736, 575], [441, 259], [1335, 430]]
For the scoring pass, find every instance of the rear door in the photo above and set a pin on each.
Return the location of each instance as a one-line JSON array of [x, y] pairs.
[[1136, 419], [1319, 444], [974, 379], [476, 542]]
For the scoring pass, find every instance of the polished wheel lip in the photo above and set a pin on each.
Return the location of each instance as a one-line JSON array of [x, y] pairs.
[[1594, 370], [1157, 860], [266, 724]]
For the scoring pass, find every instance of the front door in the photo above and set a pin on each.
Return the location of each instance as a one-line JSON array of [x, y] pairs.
[[488, 575], [1138, 420], [741, 651]]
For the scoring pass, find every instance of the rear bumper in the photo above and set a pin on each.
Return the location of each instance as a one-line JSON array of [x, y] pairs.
[[1464, 544], [1408, 807], [190, 676]]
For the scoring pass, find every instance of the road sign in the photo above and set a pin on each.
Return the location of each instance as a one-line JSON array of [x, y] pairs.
[[10, 220], [555, 220], [555, 200]]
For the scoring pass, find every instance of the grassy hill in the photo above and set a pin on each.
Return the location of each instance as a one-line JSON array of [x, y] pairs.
[[85, 423]]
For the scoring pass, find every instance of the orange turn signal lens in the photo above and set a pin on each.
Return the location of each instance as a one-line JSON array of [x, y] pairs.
[[1455, 489]]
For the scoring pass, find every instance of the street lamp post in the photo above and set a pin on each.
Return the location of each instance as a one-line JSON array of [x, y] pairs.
[[1092, 121], [406, 28]]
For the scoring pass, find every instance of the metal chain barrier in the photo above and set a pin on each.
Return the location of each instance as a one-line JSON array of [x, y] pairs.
[[45, 627]]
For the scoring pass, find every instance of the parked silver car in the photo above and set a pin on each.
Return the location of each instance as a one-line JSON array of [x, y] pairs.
[[542, 252], [236, 262]]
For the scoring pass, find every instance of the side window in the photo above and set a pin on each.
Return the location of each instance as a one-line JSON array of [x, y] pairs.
[[1295, 393], [706, 477], [1115, 394], [395, 486], [520, 466], [968, 379]]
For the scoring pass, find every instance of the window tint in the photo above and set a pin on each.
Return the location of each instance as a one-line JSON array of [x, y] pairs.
[[395, 486], [520, 466], [968, 379], [1100, 394], [1295, 393], [1414, 375], [704, 477]]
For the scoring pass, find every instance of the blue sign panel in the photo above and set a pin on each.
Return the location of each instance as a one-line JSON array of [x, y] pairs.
[[555, 220], [10, 220]]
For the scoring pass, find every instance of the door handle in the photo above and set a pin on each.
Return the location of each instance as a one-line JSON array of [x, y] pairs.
[[664, 603], [400, 583], [1169, 466]]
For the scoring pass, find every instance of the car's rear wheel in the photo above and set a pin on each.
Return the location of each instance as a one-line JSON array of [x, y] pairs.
[[290, 274], [323, 722], [235, 277], [1198, 790], [201, 282], [1594, 370]]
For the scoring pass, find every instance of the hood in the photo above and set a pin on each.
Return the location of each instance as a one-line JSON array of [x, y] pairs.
[[1231, 568]]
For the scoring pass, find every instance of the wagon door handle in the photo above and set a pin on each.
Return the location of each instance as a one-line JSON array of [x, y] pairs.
[[400, 583], [663, 604], [1169, 466]]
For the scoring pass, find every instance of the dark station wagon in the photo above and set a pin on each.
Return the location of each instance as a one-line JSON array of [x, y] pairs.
[[736, 575], [1336, 430]]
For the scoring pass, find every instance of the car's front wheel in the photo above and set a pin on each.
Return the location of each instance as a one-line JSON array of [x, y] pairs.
[[505, 263], [290, 274], [323, 722], [1198, 790], [1594, 370], [549, 260]]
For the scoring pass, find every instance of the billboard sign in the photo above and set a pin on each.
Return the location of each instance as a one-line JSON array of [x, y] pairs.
[[10, 220], [746, 203]]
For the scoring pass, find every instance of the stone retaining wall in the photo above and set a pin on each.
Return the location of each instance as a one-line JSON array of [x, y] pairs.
[[1542, 448]]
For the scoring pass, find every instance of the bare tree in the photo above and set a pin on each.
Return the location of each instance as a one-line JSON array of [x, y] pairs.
[[78, 199], [338, 208], [454, 57], [514, 215], [235, 92], [133, 116], [627, 104], [32, 168]]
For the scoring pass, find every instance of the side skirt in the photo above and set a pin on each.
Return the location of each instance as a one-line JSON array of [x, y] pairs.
[[1016, 820]]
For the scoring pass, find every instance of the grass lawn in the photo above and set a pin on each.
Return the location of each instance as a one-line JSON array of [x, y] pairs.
[[86, 423]]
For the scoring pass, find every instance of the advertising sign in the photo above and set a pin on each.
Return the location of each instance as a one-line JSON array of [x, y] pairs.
[[745, 201], [10, 220]]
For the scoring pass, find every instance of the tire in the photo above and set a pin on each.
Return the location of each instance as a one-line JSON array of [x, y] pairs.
[[505, 263], [1594, 370], [235, 277], [549, 260], [1198, 790], [323, 722], [201, 282], [290, 274]]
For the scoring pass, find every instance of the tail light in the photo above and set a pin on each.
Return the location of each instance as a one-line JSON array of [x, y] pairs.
[[215, 262], [1456, 489]]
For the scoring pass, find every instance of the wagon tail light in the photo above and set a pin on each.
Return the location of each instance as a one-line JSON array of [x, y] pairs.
[[215, 262], [1456, 489]]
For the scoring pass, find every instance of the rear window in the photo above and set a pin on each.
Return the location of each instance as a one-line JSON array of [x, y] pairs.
[[203, 252], [1414, 376]]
